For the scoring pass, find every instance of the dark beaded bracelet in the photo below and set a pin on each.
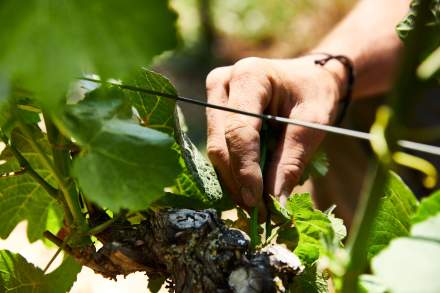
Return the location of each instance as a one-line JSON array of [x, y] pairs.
[[348, 65]]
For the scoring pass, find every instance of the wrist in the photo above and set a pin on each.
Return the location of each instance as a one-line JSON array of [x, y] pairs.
[[344, 76], [337, 71]]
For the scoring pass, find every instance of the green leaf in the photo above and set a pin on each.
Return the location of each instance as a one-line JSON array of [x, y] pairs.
[[317, 167], [279, 214], [412, 264], [155, 282], [339, 229], [4, 104], [199, 178], [288, 235], [312, 226], [121, 164], [21, 198], [154, 111], [429, 206], [47, 44], [309, 281], [19, 276], [393, 219]]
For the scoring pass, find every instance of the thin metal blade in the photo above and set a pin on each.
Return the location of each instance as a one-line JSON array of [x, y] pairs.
[[409, 145]]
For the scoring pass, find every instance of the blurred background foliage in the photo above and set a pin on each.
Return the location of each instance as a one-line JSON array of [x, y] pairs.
[[220, 32]]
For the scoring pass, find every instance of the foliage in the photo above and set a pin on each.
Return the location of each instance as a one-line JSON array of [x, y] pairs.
[[21, 197], [69, 38], [411, 264], [431, 66], [118, 149], [312, 226], [428, 207], [19, 276], [393, 219], [118, 154]]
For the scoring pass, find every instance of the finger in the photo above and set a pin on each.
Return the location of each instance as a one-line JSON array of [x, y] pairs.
[[217, 93], [296, 147], [250, 90]]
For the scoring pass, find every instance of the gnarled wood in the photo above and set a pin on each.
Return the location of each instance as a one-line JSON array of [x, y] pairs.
[[195, 250]]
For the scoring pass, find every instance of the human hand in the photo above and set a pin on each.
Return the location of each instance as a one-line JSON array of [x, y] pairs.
[[295, 88]]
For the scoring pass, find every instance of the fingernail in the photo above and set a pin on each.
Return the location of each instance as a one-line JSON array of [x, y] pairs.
[[248, 196], [284, 196]]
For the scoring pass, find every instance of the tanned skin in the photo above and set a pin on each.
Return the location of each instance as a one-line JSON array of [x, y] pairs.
[[296, 88]]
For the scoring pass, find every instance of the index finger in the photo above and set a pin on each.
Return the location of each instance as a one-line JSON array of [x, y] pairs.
[[249, 90]]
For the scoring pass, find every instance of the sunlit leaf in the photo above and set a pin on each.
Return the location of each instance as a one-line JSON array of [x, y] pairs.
[[393, 219], [47, 44], [412, 264], [19, 276], [121, 164], [429, 206], [22, 198]]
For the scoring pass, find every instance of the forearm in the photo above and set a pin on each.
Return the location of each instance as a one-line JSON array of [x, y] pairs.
[[368, 37]]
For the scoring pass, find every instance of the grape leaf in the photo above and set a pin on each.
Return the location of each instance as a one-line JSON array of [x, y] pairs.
[[428, 207], [155, 282], [339, 229], [198, 179], [309, 281], [19, 276], [412, 264], [203, 175], [312, 226], [394, 215], [154, 111], [47, 44], [21, 198], [121, 164], [4, 104], [317, 167]]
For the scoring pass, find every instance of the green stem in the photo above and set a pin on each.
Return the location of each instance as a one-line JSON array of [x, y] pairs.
[[401, 101], [28, 168], [52, 260], [101, 227], [255, 237], [58, 242], [61, 158], [362, 225]]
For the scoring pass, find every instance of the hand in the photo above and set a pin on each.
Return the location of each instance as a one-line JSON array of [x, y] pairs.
[[294, 88]]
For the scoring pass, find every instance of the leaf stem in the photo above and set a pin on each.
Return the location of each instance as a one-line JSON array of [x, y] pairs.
[[362, 224], [58, 242], [61, 158], [101, 227], [255, 237], [53, 192], [52, 260]]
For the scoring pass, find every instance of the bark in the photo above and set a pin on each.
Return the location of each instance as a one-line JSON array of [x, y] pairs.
[[195, 251]]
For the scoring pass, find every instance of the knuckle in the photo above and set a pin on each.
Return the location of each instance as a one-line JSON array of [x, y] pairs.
[[249, 171], [312, 113], [246, 67], [238, 131], [216, 153], [249, 62], [292, 169], [215, 77]]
